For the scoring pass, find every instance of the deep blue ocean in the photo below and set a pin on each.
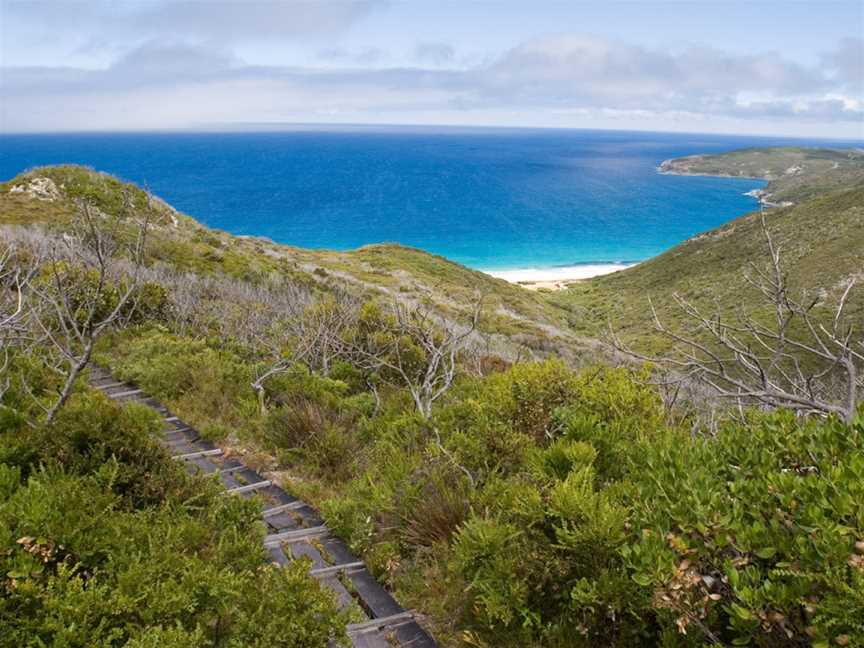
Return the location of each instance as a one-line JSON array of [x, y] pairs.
[[490, 199]]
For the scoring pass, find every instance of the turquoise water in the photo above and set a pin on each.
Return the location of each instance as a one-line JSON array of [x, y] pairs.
[[489, 199]]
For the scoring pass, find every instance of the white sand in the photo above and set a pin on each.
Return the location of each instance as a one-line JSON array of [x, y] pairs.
[[564, 273]]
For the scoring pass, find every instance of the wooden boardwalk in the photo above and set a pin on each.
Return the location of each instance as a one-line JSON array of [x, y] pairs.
[[294, 529]]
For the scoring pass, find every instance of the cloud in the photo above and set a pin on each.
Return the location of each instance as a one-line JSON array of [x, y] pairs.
[[847, 64], [159, 60], [543, 80], [596, 72], [434, 53], [217, 20], [365, 56]]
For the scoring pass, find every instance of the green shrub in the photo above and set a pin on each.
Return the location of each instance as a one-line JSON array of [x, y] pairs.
[[753, 533], [105, 541], [209, 387]]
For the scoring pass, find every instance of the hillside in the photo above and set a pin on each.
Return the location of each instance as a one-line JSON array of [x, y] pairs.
[[794, 174], [45, 196], [821, 241]]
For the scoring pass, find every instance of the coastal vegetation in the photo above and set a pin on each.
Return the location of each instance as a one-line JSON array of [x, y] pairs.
[[498, 457]]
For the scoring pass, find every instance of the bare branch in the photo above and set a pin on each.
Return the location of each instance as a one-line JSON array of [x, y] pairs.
[[796, 362]]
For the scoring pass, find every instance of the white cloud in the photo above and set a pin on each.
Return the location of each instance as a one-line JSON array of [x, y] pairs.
[[547, 81], [434, 53], [214, 20], [847, 64]]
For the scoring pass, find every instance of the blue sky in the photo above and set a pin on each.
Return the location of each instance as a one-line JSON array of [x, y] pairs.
[[792, 67]]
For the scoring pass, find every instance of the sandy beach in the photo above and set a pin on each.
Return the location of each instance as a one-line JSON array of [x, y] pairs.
[[556, 278]]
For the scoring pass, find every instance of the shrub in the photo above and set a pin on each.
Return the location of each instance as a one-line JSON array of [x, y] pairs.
[[209, 387], [753, 534], [105, 541], [436, 506]]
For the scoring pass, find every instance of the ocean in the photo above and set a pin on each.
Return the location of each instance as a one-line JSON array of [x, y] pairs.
[[498, 200]]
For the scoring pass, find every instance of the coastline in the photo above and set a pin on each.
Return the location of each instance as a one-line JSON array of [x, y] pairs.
[[677, 167], [556, 278]]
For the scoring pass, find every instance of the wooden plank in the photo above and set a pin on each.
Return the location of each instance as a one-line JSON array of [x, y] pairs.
[[276, 510], [298, 550], [294, 536], [343, 596], [123, 394], [110, 385], [335, 569], [381, 622], [201, 453], [412, 634], [249, 487], [370, 640], [277, 556], [377, 599], [180, 430]]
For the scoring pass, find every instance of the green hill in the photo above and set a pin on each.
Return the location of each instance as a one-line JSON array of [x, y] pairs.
[[45, 197]]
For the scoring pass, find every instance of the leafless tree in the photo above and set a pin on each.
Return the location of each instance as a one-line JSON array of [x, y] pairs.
[[417, 348], [14, 280], [308, 333], [84, 293], [800, 359]]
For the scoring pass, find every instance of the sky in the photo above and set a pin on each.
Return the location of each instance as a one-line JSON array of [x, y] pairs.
[[790, 67]]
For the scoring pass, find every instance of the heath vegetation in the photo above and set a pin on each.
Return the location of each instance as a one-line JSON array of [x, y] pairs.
[[517, 481]]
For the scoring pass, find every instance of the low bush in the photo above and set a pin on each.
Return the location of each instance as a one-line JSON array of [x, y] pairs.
[[202, 384], [572, 514], [105, 541]]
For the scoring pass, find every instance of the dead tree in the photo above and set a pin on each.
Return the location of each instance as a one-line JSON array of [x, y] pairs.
[[83, 293], [308, 333], [415, 349], [14, 280], [799, 357]]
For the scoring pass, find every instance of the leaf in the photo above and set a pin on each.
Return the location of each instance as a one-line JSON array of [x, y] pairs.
[[642, 579], [766, 553], [742, 613]]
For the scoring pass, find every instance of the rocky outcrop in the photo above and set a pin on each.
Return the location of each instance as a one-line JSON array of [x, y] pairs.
[[39, 188]]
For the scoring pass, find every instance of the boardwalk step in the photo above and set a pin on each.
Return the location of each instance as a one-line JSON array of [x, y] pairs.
[[180, 430], [111, 385], [294, 536], [201, 453], [381, 622], [370, 640], [276, 510], [335, 569], [131, 392], [249, 487]]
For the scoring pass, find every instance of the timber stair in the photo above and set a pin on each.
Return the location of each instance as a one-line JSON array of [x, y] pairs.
[[294, 529]]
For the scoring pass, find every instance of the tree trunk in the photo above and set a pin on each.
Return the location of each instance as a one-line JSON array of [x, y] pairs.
[[74, 372]]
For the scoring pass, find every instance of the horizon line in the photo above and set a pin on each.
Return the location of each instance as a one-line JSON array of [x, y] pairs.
[[279, 127]]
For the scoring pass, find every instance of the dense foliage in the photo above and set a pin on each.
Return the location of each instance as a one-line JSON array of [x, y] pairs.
[[104, 541], [541, 506]]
